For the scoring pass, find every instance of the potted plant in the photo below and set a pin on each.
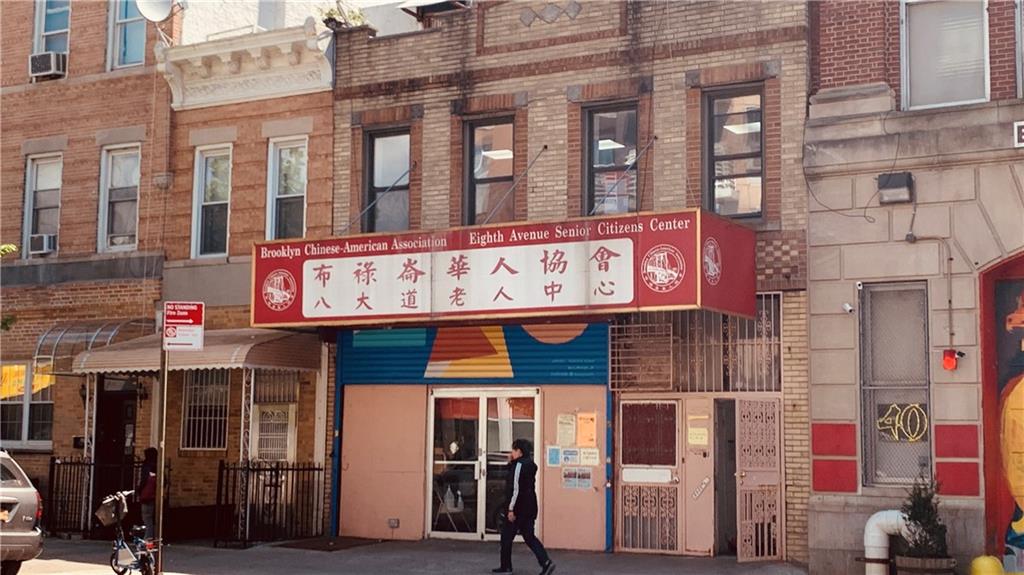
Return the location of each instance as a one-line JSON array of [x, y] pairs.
[[924, 550], [342, 16]]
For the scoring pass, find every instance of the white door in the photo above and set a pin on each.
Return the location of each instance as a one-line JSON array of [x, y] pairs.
[[469, 437]]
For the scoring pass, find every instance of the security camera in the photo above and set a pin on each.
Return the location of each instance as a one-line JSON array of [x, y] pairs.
[[860, 286], [847, 308]]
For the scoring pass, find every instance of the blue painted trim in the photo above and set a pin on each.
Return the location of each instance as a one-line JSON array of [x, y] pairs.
[[609, 492], [336, 444]]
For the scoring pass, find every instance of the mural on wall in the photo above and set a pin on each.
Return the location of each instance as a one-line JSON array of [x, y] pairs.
[[531, 354], [1009, 301]]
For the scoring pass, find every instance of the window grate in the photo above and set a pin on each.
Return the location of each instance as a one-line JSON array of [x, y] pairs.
[[699, 351], [894, 383], [274, 386], [204, 422]]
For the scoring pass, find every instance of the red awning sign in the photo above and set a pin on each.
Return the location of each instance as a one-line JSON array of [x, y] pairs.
[[678, 260]]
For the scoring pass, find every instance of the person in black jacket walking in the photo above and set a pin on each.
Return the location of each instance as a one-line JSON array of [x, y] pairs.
[[521, 494]]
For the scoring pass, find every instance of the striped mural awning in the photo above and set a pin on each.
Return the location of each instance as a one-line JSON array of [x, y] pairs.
[[222, 349]]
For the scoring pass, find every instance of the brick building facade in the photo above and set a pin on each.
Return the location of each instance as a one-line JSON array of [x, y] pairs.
[[62, 137], [900, 283], [545, 70], [131, 120]]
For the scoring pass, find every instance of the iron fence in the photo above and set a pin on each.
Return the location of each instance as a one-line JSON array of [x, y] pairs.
[[77, 485], [268, 501]]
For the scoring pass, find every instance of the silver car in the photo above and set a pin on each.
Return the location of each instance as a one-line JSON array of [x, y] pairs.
[[21, 509]]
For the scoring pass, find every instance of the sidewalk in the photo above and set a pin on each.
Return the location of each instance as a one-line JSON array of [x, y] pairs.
[[389, 558]]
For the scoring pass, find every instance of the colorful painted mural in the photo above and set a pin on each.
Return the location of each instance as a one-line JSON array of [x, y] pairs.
[[532, 354], [1009, 302]]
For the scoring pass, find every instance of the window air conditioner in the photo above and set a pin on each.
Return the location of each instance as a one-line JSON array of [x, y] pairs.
[[39, 244], [48, 65]]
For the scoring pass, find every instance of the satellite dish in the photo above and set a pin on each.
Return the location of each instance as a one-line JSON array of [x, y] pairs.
[[155, 10]]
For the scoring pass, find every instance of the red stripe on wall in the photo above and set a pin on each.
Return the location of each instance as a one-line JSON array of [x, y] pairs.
[[956, 441], [834, 439], [957, 478], [835, 475]]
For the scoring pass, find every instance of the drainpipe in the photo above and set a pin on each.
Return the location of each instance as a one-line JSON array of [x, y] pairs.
[[876, 539], [339, 401]]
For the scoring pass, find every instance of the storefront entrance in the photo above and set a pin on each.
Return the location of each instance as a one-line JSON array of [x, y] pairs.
[[470, 433], [699, 475]]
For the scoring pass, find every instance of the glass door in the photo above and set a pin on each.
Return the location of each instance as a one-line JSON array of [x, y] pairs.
[[471, 436], [456, 473], [508, 419]]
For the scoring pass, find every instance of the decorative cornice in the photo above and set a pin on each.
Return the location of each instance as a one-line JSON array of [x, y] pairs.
[[260, 66]]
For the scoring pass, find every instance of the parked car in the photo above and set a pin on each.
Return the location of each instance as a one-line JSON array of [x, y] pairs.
[[21, 510]]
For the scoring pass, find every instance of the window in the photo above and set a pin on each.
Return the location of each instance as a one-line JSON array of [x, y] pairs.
[[119, 199], [127, 34], [945, 53], [204, 416], [212, 199], [42, 197], [734, 151], [388, 187], [611, 151], [26, 406], [53, 23], [286, 206], [894, 383], [649, 432], [490, 161]]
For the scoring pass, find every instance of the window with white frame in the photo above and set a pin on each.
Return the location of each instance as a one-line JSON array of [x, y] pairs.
[[945, 52], [895, 383], [212, 200], [53, 25], [119, 198], [26, 406], [42, 197], [127, 34], [286, 182], [204, 413]]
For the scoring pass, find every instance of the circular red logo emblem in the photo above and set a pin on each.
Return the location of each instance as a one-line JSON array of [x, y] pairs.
[[279, 290], [663, 268], [712, 255]]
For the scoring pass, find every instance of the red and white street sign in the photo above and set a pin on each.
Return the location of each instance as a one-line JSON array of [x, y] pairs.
[[183, 325]]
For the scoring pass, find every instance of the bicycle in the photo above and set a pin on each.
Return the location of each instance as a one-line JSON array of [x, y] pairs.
[[128, 555]]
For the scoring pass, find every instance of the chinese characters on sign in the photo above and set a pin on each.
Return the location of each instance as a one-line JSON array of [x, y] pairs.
[[520, 277], [660, 261]]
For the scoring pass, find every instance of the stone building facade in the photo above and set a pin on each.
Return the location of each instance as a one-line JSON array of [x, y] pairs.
[[915, 238]]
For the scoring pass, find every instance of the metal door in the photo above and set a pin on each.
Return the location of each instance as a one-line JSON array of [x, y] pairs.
[[758, 480], [649, 476], [699, 483]]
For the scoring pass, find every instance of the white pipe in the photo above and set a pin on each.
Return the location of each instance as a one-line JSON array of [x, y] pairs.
[[876, 538]]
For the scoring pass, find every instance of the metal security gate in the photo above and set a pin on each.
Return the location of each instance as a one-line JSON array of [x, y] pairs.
[[758, 479], [649, 470], [669, 372], [277, 500]]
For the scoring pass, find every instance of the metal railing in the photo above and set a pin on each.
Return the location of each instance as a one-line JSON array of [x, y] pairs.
[[76, 487], [268, 501]]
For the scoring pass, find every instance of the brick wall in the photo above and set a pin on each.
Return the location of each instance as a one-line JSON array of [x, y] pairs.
[[858, 42], [796, 421], [608, 52], [248, 211]]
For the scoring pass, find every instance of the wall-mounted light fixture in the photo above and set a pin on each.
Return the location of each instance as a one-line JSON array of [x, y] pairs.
[[895, 188]]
